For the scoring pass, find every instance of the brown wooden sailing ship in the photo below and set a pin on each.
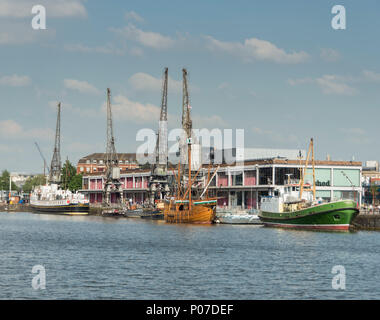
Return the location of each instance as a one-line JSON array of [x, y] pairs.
[[185, 207]]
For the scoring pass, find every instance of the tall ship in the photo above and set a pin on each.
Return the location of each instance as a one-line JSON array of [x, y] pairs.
[[294, 205], [51, 198], [190, 204]]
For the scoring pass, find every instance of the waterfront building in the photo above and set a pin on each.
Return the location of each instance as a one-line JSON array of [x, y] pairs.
[[95, 163], [371, 182], [243, 185]]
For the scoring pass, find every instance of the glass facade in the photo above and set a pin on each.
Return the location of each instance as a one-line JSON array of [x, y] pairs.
[[346, 177], [322, 177]]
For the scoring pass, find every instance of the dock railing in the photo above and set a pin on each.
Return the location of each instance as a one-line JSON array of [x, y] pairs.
[[366, 210]]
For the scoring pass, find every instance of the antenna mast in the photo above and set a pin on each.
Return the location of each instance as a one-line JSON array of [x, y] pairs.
[[55, 166]]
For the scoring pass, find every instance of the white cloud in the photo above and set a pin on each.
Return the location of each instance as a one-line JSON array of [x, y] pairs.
[[127, 110], [56, 8], [4, 148], [329, 84], [137, 52], [15, 81], [371, 76], [213, 121], [254, 49], [330, 55], [10, 129], [332, 84], [356, 135], [224, 85], [145, 82], [18, 32], [86, 112], [81, 86], [131, 15], [276, 136], [107, 49], [146, 38]]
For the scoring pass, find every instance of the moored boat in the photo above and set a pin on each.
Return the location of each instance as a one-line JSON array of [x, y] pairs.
[[295, 206], [239, 217], [183, 211], [334, 216], [50, 198], [189, 205]]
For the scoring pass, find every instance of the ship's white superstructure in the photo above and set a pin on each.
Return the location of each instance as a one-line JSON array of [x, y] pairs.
[[51, 197]]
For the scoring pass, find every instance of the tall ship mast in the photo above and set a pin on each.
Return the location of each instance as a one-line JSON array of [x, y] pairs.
[[51, 198], [188, 205]]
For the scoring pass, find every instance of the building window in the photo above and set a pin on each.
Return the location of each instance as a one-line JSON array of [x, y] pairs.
[[81, 169], [87, 169], [101, 161], [93, 161], [88, 161]]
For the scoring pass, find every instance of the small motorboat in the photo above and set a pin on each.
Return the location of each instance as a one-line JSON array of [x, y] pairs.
[[238, 217]]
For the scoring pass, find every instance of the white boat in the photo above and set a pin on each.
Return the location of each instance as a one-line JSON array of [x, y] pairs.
[[238, 216], [50, 198]]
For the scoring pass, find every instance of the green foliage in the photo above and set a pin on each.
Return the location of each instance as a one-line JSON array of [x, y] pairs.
[[75, 182], [67, 173], [4, 181], [70, 179], [33, 182]]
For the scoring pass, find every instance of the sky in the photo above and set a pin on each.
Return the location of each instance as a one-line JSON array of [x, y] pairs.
[[276, 69]]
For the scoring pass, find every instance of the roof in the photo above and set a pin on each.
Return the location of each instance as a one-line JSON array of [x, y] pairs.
[[296, 162], [101, 156]]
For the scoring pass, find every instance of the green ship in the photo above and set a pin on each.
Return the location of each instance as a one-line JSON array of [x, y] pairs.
[[333, 216], [295, 206]]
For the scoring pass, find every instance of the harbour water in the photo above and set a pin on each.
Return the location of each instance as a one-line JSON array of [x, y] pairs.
[[106, 258]]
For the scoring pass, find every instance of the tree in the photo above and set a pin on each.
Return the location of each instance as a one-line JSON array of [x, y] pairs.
[[76, 182], [70, 179], [68, 171], [4, 181], [374, 190], [32, 182]]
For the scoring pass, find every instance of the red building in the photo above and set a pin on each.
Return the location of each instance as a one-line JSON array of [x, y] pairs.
[[95, 163]]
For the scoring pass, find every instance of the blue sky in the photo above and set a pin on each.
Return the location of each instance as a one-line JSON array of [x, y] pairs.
[[276, 69]]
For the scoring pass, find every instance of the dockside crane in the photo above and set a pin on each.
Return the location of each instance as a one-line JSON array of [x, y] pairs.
[[55, 166], [158, 182], [112, 174], [43, 158]]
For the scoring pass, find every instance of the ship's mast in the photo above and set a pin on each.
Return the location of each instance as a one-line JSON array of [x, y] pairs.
[[187, 136], [112, 174], [311, 149], [186, 119], [55, 166]]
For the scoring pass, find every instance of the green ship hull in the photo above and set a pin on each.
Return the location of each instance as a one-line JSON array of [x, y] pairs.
[[334, 216]]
